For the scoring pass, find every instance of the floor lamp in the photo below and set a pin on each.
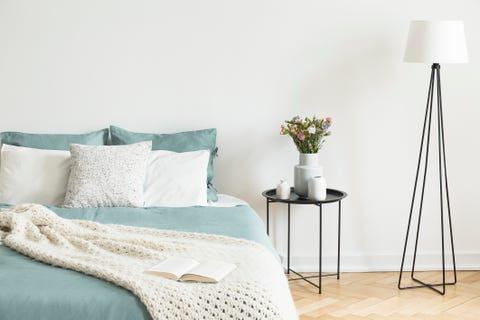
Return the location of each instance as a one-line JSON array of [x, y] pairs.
[[433, 42]]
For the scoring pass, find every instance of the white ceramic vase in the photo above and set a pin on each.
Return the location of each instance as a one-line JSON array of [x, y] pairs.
[[317, 188], [307, 168]]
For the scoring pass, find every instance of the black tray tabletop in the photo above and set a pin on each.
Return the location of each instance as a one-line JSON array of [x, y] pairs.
[[333, 195]]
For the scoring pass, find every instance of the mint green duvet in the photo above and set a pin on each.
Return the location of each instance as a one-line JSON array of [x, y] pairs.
[[32, 290]]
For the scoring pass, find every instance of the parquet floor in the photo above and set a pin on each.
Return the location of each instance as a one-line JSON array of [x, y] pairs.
[[374, 296]]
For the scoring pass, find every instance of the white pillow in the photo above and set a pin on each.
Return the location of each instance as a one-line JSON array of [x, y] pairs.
[[176, 179], [30, 175], [107, 176]]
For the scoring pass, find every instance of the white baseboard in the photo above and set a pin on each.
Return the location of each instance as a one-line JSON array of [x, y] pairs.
[[383, 262]]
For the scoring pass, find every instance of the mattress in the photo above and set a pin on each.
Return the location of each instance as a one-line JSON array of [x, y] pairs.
[[33, 290]]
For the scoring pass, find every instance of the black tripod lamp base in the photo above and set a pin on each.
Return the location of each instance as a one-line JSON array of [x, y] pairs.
[[443, 189]]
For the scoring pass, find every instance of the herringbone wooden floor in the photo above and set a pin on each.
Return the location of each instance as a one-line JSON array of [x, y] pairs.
[[374, 296]]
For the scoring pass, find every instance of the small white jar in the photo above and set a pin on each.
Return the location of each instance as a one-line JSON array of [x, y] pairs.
[[283, 190], [317, 188]]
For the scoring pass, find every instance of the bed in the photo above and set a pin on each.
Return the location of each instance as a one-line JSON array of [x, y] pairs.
[[34, 290]]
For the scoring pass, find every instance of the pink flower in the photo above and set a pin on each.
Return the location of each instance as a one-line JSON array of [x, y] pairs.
[[282, 129], [293, 130], [328, 119], [301, 136]]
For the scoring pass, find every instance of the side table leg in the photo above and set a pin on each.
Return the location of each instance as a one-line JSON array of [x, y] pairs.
[[338, 242], [288, 243], [320, 252], [268, 216]]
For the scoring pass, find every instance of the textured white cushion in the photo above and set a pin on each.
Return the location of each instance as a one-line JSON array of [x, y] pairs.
[[30, 175], [176, 179], [107, 176]]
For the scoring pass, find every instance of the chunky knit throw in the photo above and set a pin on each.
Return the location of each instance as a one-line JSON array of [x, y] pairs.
[[257, 289]]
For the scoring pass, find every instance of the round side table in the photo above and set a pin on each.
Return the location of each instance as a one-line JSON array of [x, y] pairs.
[[333, 195]]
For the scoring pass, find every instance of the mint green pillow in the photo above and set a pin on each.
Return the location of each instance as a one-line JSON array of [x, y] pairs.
[[178, 142], [53, 141]]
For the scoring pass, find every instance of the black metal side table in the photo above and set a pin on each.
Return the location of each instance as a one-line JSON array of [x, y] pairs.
[[332, 196]]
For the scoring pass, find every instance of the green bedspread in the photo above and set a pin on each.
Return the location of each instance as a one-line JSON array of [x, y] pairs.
[[32, 290]]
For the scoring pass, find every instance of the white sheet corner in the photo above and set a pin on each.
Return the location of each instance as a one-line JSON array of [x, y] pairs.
[[225, 200]]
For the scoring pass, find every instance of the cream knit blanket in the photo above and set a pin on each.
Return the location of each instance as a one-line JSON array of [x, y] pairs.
[[257, 289]]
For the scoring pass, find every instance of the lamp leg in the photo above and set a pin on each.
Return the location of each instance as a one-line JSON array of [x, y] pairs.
[[435, 75], [426, 120], [447, 194]]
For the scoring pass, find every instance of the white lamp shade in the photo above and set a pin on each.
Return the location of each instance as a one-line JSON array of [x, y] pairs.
[[436, 42]]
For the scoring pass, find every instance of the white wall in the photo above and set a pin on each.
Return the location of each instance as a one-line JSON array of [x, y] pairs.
[[244, 67]]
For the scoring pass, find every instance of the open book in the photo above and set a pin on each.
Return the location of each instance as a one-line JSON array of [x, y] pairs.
[[184, 269]]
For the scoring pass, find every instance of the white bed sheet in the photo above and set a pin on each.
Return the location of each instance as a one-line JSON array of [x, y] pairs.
[[225, 200]]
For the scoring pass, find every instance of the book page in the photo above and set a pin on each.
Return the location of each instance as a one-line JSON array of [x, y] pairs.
[[173, 266], [211, 271]]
